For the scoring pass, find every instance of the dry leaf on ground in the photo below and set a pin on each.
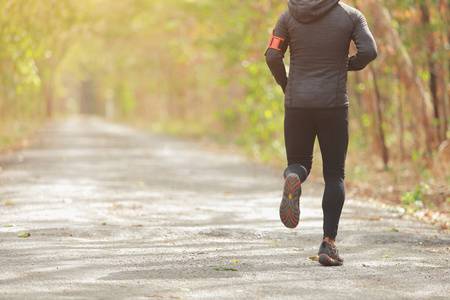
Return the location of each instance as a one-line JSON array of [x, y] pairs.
[[224, 269]]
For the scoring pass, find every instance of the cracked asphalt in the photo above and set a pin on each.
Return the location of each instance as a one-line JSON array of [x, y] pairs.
[[117, 213]]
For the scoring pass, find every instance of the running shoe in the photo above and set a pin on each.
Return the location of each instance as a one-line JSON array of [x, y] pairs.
[[329, 255], [290, 203]]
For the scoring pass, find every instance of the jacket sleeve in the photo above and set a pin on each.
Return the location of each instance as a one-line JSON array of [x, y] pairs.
[[276, 49], [365, 44]]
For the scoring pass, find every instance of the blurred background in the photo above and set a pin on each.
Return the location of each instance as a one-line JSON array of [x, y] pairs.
[[197, 68]]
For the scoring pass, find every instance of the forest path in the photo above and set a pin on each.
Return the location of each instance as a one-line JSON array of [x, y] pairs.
[[115, 213]]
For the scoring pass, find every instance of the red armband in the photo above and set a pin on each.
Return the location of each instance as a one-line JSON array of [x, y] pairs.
[[274, 43]]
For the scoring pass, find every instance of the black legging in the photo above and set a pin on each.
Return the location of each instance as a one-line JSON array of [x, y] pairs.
[[301, 126]]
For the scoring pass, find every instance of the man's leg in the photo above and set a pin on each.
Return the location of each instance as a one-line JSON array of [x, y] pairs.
[[299, 138], [333, 136]]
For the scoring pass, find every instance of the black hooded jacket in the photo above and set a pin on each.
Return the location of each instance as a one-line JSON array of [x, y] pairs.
[[318, 33]]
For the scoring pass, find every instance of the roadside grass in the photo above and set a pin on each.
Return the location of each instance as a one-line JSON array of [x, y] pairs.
[[15, 134]]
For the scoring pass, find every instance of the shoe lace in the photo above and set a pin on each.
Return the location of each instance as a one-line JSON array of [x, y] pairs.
[[335, 253]]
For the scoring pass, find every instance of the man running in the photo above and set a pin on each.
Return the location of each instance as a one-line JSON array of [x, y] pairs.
[[318, 33]]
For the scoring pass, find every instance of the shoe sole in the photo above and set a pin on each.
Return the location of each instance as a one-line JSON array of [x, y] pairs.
[[290, 203], [325, 260]]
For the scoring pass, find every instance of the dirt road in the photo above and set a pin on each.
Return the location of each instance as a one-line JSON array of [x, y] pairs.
[[115, 213]]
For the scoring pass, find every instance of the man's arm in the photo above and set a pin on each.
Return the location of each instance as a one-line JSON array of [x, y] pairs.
[[365, 45], [278, 44]]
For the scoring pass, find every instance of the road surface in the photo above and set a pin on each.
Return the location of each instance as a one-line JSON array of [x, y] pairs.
[[116, 213]]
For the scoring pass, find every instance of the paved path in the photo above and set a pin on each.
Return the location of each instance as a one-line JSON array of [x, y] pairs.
[[115, 213]]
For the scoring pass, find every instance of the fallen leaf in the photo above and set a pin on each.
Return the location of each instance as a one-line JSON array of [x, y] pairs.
[[8, 225], [24, 235], [314, 258], [185, 290], [226, 193], [104, 223], [387, 256], [224, 269], [391, 230], [235, 261], [366, 266], [140, 183], [9, 203]]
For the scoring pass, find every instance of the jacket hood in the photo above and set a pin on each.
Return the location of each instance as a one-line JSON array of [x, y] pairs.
[[306, 11]]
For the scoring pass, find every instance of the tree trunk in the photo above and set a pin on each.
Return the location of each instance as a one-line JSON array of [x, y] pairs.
[[421, 103], [379, 123], [445, 98], [432, 71], [447, 82], [401, 134]]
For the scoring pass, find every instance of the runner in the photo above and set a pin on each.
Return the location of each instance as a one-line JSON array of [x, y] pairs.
[[318, 33]]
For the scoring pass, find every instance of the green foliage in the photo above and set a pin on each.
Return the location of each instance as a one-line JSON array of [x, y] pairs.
[[413, 201]]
